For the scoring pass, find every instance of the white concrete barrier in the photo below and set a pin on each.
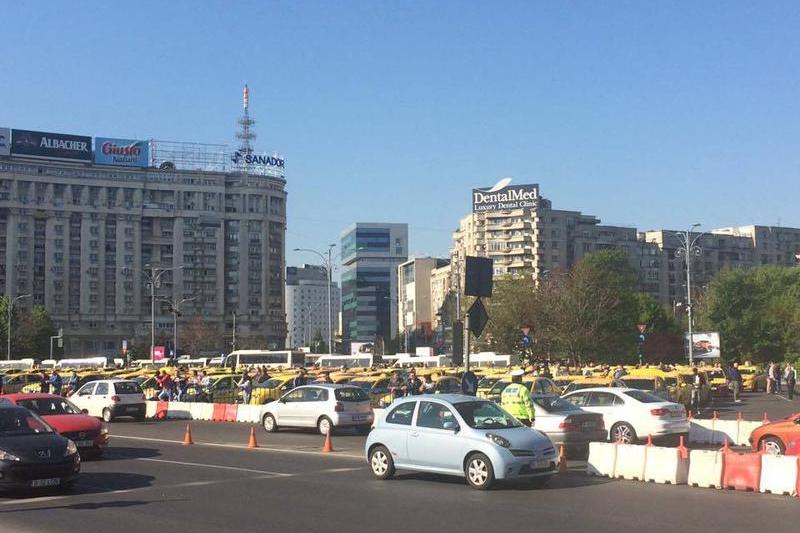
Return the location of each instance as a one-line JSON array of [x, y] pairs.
[[179, 411], [150, 409], [201, 411], [631, 460], [700, 431], [665, 465], [746, 428], [379, 413], [249, 414], [710, 431], [725, 429], [779, 474], [602, 459], [705, 468]]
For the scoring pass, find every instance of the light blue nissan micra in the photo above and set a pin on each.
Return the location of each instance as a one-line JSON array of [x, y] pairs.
[[458, 435]]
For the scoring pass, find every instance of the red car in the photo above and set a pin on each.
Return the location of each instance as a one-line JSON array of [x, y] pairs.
[[87, 432], [779, 437]]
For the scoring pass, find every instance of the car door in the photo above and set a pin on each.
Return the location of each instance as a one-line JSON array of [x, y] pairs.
[[432, 441], [396, 427], [100, 399], [288, 408], [312, 406], [608, 405], [82, 398]]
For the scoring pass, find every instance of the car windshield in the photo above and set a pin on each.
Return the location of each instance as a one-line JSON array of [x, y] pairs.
[[49, 406], [351, 394], [363, 385], [486, 415], [127, 387], [644, 397], [716, 374], [671, 381], [553, 404], [272, 383], [16, 422], [641, 384]]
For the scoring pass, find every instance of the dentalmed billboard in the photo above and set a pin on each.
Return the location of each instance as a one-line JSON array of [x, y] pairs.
[[121, 152], [504, 196]]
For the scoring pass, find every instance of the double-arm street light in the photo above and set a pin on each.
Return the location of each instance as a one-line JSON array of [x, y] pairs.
[[175, 306], [329, 269], [689, 250], [152, 276], [11, 302]]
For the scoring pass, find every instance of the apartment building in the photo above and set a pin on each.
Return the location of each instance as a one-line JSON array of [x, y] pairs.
[[307, 311]]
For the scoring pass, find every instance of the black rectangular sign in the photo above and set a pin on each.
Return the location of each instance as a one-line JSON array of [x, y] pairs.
[[56, 145]]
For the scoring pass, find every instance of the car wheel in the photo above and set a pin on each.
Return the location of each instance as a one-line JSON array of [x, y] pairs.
[[364, 430], [381, 462], [324, 425], [270, 426], [772, 446], [479, 471], [107, 416], [623, 432]]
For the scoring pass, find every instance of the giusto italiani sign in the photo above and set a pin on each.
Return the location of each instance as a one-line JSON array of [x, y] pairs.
[[505, 196]]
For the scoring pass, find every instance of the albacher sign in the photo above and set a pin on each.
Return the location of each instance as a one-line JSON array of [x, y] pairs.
[[56, 145], [504, 196], [252, 159]]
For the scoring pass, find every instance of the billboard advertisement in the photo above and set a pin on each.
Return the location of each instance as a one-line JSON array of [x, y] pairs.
[[54, 145], [121, 152], [158, 353], [5, 141], [504, 196], [705, 345]]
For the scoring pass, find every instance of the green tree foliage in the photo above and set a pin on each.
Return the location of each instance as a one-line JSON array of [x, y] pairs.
[[756, 311], [663, 337]]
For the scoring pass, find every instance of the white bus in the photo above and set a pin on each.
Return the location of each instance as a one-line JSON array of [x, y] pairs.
[[362, 360], [269, 359], [85, 362], [407, 361], [18, 364], [492, 360]]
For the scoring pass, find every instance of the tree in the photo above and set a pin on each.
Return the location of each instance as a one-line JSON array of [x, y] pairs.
[[199, 336], [663, 336], [755, 311], [31, 338]]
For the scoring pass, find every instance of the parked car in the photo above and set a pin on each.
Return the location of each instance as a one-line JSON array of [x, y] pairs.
[[566, 424], [535, 384], [110, 399], [88, 433], [461, 436], [32, 454], [779, 437], [631, 414], [591, 383], [653, 384], [324, 406]]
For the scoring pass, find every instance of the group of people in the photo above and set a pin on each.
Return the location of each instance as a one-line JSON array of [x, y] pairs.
[[53, 383], [777, 376]]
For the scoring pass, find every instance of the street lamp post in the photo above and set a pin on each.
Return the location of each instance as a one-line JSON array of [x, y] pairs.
[[176, 310], [328, 268], [11, 303], [153, 277], [689, 249]]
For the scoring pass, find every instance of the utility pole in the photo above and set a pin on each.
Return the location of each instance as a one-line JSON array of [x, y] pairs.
[[176, 312], [689, 250], [152, 276], [11, 302], [328, 264], [233, 339]]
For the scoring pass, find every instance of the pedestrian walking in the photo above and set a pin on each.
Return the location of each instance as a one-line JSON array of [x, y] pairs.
[[164, 382], [516, 399], [56, 383], [72, 383], [771, 379], [181, 387], [44, 383], [697, 385], [790, 375], [735, 381], [395, 386], [246, 386]]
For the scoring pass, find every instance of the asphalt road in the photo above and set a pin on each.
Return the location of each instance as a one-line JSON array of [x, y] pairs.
[[752, 407], [148, 481]]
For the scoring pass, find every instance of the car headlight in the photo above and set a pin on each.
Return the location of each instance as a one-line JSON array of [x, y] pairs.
[[5, 456], [497, 439], [71, 449]]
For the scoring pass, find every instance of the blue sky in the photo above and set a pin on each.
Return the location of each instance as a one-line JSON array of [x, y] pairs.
[[652, 114]]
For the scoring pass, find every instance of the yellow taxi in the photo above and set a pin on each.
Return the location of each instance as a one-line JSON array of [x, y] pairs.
[[591, 382], [753, 378], [271, 389]]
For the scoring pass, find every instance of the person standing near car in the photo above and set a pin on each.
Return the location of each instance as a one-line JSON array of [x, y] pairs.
[[469, 383], [395, 386], [790, 375], [516, 399], [300, 379], [735, 380], [164, 382], [771, 379], [72, 383], [246, 386], [56, 383], [413, 385]]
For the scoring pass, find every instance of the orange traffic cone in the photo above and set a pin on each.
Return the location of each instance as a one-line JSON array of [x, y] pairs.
[[187, 437], [765, 420], [684, 453], [252, 443], [562, 461], [328, 444]]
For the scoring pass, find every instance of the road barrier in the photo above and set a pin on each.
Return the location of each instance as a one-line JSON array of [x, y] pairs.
[[667, 465], [631, 461], [250, 414], [742, 471], [779, 474], [602, 459], [714, 431], [705, 469]]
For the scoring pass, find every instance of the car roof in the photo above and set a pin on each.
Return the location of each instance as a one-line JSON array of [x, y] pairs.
[[447, 398], [328, 386], [604, 389], [29, 396]]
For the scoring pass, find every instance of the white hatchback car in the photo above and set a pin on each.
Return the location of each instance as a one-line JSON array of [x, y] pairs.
[[110, 399], [325, 406], [632, 414]]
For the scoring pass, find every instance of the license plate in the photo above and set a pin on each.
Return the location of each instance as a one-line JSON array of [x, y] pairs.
[[131, 409], [50, 482], [358, 418], [541, 463], [676, 414], [84, 443]]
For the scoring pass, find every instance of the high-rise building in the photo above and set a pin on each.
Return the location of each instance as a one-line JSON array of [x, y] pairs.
[[371, 253], [81, 231], [414, 309], [307, 312], [441, 287]]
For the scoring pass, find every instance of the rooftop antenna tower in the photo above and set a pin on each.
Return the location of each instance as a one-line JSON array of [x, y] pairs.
[[245, 133]]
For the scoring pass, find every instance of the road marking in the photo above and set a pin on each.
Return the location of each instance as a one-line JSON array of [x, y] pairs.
[[220, 467], [243, 447]]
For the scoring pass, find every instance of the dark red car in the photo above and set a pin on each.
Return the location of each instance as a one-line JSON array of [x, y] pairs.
[[87, 432]]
